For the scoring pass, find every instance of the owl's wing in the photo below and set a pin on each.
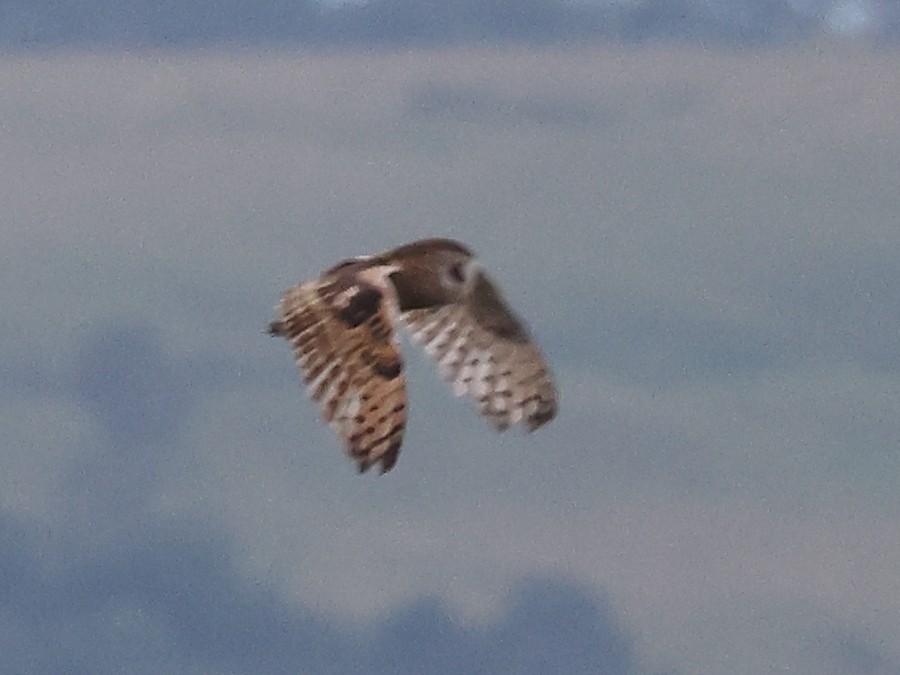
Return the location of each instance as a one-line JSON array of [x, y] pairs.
[[342, 334], [484, 351]]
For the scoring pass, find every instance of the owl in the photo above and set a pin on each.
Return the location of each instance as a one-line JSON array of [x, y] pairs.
[[342, 328]]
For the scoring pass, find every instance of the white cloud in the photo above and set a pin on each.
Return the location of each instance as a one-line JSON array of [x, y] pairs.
[[850, 18]]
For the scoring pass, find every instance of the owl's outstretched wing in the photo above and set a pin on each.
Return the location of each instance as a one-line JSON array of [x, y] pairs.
[[341, 330], [484, 351]]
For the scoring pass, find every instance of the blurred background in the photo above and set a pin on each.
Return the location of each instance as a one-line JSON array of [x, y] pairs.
[[694, 204]]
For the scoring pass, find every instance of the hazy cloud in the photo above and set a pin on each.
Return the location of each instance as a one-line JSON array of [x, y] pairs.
[[855, 655], [704, 244], [139, 396], [172, 600], [478, 106]]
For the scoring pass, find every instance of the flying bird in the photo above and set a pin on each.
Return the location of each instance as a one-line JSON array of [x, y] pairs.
[[342, 329]]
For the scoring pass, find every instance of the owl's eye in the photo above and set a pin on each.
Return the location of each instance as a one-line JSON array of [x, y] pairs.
[[456, 273]]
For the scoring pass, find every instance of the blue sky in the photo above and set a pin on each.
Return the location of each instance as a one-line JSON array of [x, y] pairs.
[[325, 24], [704, 240]]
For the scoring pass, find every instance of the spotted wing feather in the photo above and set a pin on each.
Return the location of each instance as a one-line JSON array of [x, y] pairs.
[[485, 352], [342, 337]]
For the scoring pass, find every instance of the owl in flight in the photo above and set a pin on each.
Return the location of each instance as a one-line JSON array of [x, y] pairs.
[[341, 327]]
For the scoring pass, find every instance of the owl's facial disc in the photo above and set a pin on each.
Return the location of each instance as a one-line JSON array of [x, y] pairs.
[[459, 275]]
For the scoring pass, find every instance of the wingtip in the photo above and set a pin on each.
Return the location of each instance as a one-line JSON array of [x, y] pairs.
[[385, 461], [540, 417], [363, 465], [389, 458]]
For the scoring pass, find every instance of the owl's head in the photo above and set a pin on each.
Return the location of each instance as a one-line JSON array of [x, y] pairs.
[[433, 272]]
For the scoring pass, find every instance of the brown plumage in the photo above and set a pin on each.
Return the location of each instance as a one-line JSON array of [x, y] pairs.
[[341, 328]]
